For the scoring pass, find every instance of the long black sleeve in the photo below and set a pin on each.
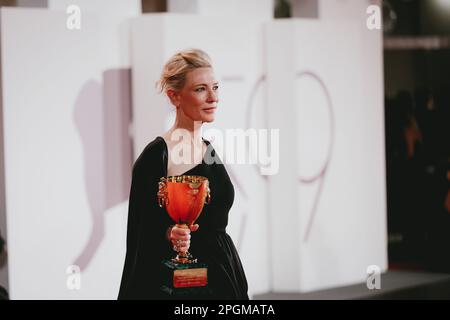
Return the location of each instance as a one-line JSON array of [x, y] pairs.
[[146, 228]]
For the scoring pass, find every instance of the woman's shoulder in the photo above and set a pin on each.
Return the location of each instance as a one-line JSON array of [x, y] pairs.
[[155, 146], [153, 153]]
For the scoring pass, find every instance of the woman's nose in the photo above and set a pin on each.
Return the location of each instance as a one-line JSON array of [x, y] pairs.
[[213, 96]]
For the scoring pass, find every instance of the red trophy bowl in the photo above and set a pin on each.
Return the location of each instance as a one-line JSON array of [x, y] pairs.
[[183, 197]]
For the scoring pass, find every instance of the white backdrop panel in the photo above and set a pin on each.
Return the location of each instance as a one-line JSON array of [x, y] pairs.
[[329, 198], [253, 10], [58, 213], [114, 25]]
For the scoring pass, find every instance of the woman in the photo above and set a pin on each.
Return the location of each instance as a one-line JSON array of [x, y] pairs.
[[188, 81]]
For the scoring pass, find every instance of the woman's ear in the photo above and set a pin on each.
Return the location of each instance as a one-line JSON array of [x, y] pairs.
[[174, 97]]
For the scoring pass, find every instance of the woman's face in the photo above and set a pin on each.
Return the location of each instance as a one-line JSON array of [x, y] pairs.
[[199, 97]]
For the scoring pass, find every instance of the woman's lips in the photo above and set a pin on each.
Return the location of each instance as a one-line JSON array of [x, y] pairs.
[[209, 110]]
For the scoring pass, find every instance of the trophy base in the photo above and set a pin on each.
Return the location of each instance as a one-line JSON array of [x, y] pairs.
[[185, 280]]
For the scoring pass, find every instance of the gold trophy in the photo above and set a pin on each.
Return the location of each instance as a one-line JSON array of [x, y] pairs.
[[183, 197]]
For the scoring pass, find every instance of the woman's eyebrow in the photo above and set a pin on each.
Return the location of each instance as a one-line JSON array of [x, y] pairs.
[[204, 84]]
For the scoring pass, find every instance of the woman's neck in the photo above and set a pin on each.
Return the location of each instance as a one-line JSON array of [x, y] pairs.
[[188, 137], [191, 131]]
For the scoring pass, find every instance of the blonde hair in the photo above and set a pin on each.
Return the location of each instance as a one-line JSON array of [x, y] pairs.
[[175, 70]]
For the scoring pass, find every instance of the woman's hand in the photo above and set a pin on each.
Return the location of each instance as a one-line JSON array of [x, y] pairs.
[[181, 237]]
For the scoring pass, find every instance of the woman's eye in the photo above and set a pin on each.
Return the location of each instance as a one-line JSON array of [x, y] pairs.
[[199, 89], [216, 88]]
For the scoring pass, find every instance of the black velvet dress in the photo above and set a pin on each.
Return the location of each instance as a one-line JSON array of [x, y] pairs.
[[147, 245]]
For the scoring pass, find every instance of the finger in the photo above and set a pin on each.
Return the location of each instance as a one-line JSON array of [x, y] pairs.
[[181, 231], [181, 236], [178, 238], [194, 227], [181, 243]]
